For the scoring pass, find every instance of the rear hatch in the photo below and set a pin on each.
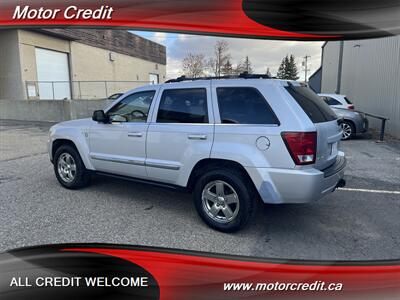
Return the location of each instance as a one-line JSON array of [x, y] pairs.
[[329, 132]]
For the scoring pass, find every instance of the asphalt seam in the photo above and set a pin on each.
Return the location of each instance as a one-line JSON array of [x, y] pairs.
[[21, 157]]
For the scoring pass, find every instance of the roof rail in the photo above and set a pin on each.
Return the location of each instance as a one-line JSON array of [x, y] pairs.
[[244, 75]]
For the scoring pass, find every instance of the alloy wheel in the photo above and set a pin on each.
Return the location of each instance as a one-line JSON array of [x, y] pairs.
[[347, 131], [66, 167], [220, 201]]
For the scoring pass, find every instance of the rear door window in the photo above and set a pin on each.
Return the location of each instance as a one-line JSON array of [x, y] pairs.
[[315, 108], [331, 101], [244, 105], [183, 106]]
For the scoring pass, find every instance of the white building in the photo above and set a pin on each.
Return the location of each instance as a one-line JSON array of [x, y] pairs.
[[368, 72]]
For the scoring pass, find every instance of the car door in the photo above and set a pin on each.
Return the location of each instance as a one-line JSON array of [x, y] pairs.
[[246, 128], [119, 147], [181, 131]]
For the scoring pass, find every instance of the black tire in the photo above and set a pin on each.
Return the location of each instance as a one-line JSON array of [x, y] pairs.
[[81, 176], [244, 190], [350, 130]]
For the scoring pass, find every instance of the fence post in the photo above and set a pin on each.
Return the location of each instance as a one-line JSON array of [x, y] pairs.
[[80, 92], [52, 86], [105, 84], [382, 130], [26, 88]]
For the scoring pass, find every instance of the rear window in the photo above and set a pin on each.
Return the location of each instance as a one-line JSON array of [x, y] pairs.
[[244, 105], [315, 108], [347, 100]]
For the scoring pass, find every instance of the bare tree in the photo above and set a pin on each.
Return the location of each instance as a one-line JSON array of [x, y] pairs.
[[220, 57], [193, 65]]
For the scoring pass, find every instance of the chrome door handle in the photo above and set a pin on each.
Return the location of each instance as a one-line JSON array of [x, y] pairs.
[[197, 137], [135, 134]]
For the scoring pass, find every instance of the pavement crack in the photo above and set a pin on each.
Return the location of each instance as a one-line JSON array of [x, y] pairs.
[[23, 156], [5, 179]]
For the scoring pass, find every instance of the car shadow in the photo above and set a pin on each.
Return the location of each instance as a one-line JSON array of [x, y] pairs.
[[289, 216], [143, 193]]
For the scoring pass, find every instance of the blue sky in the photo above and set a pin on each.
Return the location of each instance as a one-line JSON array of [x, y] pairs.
[[263, 54]]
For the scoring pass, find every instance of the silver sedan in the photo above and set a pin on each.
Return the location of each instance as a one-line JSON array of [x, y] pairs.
[[353, 122]]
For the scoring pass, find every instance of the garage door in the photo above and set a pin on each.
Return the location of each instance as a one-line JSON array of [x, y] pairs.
[[53, 74]]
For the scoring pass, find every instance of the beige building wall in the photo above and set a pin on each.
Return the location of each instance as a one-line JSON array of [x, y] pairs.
[[11, 86], [94, 64], [86, 63]]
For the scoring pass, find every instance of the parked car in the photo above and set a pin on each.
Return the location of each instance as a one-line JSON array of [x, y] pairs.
[[337, 101], [230, 142], [353, 122]]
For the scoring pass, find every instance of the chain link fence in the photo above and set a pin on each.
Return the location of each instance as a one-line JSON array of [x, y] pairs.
[[59, 90]]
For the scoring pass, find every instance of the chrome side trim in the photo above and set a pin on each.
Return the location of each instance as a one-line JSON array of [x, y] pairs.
[[162, 166], [135, 162], [118, 160]]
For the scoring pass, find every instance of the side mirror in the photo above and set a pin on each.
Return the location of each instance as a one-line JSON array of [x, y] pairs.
[[99, 116]]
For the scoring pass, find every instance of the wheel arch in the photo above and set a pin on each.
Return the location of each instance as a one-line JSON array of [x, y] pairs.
[[350, 121], [208, 164], [57, 143]]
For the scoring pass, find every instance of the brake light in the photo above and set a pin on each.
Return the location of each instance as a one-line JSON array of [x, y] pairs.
[[302, 146], [350, 106]]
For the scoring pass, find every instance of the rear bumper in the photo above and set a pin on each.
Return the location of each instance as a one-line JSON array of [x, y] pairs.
[[295, 185]]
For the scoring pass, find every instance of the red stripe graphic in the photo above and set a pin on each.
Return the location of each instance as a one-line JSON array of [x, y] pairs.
[[212, 17], [182, 276]]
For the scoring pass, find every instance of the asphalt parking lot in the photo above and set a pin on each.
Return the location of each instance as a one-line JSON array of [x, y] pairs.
[[357, 223]]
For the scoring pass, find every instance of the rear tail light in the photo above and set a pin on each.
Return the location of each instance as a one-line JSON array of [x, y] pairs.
[[302, 146], [350, 106]]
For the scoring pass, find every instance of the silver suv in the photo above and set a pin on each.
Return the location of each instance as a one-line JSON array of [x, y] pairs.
[[228, 141]]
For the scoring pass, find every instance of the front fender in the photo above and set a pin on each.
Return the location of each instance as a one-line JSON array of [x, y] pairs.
[[78, 136]]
